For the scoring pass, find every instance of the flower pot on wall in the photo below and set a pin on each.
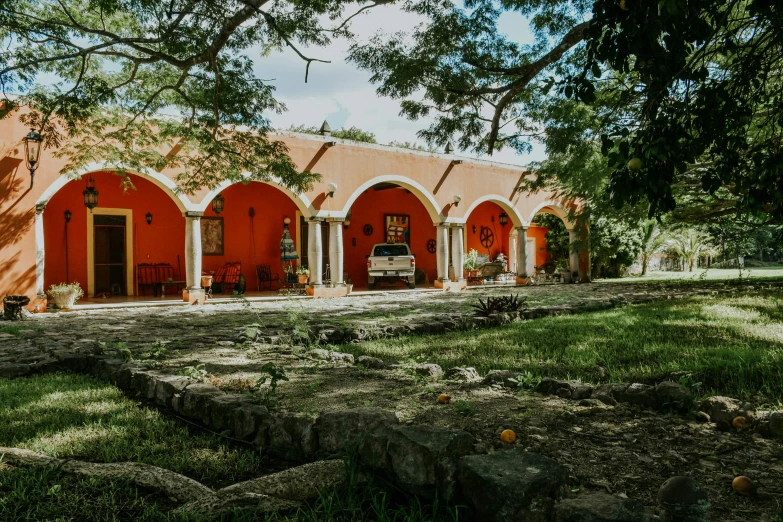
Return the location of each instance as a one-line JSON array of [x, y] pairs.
[[302, 278]]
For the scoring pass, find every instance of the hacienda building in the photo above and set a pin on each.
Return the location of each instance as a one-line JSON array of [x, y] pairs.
[[155, 242]]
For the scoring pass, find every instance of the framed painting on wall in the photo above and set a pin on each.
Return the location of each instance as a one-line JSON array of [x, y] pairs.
[[398, 228], [212, 236]]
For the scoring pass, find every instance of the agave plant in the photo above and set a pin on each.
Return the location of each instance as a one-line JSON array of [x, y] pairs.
[[500, 304]]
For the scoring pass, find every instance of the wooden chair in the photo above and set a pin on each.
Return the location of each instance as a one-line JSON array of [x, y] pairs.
[[228, 276], [146, 275], [266, 278]]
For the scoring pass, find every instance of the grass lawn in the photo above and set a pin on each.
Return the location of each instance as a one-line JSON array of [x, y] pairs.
[[699, 274], [67, 415], [732, 345]]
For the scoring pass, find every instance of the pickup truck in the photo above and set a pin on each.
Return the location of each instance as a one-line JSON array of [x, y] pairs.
[[391, 262]]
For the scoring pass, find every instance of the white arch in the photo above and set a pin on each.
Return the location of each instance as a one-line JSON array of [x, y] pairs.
[[164, 183], [558, 209], [302, 201], [416, 188], [503, 203]]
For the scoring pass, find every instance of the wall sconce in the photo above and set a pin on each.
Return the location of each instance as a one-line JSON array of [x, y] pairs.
[[68, 216], [32, 152], [457, 199], [90, 194], [287, 221], [503, 218], [149, 218], [474, 229], [218, 204], [346, 223], [331, 188]]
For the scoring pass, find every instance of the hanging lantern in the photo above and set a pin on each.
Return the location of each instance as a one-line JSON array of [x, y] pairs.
[[90, 194], [32, 152], [68, 216], [149, 218], [503, 218], [217, 204]]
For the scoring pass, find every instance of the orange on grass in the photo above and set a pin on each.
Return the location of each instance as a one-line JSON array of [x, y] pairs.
[[444, 398], [743, 485], [508, 436]]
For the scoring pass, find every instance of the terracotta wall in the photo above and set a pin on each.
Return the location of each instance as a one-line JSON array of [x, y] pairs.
[[370, 208], [482, 216], [539, 234], [271, 207], [160, 242]]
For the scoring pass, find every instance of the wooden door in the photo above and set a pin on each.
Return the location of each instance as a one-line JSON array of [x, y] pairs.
[[109, 254]]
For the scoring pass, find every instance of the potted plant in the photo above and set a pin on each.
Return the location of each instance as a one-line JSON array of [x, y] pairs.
[[65, 295], [302, 273], [565, 272], [469, 265]]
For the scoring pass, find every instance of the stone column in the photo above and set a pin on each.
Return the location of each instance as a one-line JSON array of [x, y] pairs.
[[442, 251], [40, 291], [336, 251], [315, 252], [193, 257], [457, 251], [522, 251], [573, 255]]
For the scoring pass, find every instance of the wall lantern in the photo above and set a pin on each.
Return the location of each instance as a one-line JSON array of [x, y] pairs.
[[149, 218], [90, 194], [457, 199], [346, 223], [218, 203], [331, 188], [474, 229], [503, 218], [68, 216], [32, 152]]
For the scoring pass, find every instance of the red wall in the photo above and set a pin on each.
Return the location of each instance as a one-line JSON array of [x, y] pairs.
[[370, 208], [160, 242], [482, 216], [539, 233], [271, 206]]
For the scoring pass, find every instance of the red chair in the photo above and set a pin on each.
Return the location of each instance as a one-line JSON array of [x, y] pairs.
[[146, 275], [228, 276]]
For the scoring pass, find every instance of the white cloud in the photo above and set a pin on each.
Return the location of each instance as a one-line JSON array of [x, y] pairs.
[[343, 94]]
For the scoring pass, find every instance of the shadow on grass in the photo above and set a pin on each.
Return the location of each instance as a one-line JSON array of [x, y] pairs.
[[76, 416]]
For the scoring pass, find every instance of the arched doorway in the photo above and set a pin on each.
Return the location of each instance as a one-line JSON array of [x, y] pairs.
[[390, 211], [102, 249], [248, 231], [488, 230], [552, 235]]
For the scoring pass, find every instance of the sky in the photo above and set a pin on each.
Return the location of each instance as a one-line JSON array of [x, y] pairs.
[[342, 94]]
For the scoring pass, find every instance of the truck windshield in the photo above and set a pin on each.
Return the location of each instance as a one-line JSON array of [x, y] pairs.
[[390, 250]]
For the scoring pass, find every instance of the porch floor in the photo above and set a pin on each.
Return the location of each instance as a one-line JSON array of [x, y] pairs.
[[140, 301]]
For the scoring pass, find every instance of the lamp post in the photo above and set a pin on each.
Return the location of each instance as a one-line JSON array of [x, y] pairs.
[[32, 152]]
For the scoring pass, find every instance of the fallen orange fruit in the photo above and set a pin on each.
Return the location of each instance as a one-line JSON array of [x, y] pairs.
[[741, 423], [444, 398], [508, 436], [743, 485]]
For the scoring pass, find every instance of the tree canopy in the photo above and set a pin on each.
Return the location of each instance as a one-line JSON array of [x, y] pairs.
[[135, 78]]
